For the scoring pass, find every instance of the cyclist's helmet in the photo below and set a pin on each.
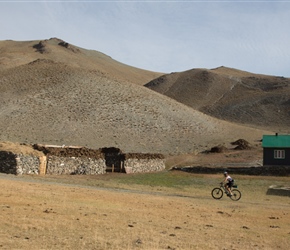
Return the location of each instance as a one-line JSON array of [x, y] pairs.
[[225, 173]]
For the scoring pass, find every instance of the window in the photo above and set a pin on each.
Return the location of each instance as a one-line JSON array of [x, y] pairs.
[[279, 154]]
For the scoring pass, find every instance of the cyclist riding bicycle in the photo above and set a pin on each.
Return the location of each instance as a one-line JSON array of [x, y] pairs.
[[228, 183]]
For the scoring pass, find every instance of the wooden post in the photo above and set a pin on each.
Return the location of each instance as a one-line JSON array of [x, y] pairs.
[[42, 165], [113, 168]]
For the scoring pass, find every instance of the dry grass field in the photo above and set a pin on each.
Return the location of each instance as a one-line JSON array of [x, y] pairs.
[[168, 210]]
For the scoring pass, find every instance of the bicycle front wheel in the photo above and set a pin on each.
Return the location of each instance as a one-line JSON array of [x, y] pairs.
[[217, 193], [236, 195]]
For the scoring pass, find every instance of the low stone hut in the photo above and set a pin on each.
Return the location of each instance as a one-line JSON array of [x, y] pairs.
[[57, 160], [72, 160], [20, 159], [142, 163]]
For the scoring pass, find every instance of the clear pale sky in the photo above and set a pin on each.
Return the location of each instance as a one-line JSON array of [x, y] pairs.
[[162, 36]]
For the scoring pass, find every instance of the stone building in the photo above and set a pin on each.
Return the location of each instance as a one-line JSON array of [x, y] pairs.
[[57, 160]]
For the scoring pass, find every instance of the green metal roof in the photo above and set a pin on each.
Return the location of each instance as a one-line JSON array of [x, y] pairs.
[[276, 141]]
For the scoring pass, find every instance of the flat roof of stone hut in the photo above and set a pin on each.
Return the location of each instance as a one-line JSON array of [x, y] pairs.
[[143, 156], [68, 151]]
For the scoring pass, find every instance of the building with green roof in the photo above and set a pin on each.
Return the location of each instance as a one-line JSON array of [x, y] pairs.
[[276, 150]]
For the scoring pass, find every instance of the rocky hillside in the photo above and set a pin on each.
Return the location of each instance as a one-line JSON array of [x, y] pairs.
[[253, 100], [55, 93]]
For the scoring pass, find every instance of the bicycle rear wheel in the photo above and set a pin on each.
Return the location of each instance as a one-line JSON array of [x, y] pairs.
[[217, 193], [236, 195]]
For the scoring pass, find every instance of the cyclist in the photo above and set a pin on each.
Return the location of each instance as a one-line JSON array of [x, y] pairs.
[[228, 183]]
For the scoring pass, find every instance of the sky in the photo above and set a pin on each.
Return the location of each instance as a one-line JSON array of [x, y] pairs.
[[162, 36]]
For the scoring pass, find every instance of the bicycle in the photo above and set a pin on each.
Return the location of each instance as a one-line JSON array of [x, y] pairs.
[[218, 192]]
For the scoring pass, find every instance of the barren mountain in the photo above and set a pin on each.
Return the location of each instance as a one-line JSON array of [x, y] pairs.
[[55, 93], [254, 100], [13, 54]]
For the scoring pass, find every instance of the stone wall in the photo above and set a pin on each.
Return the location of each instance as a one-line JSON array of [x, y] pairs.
[[57, 160], [11, 163], [278, 190], [143, 163], [262, 170], [27, 164], [75, 165], [8, 163]]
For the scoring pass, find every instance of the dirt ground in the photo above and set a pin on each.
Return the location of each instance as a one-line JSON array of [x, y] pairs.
[[228, 155], [38, 213]]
